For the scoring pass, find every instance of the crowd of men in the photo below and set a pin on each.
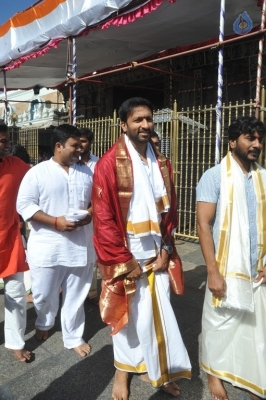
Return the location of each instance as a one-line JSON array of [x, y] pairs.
[[129, 197]]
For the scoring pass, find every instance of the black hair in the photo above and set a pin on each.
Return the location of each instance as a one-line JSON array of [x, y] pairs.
[[87, 132], [19, 151], [245, 125], [155, 134], [62, 133], [3, 128], [128, 105]]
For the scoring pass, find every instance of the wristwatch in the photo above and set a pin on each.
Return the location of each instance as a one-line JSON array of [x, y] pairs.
[[169, 249]]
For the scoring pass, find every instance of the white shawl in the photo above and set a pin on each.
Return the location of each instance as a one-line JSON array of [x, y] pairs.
[[149, 198], [233, 250]]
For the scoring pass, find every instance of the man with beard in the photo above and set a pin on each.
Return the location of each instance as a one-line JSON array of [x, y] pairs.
[[231, 212], [12, 254], [54, 195], [135, 212]]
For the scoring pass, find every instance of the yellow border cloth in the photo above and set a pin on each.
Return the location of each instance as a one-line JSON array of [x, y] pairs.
[[151, 342], [233, 343], [233, 249]]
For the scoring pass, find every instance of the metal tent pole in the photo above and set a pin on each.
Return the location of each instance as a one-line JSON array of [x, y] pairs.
[[74, 76], [261, 42], [5, 94], [69, 73], [220, 87]]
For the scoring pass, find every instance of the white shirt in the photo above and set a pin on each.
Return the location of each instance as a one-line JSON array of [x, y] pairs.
[[49, 188], [92, 162], [91, 165]]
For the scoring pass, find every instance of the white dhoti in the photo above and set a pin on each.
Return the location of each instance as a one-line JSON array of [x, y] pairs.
[[27, 281], [75, 283], [151, 342], [93, 289], [233, 343], [15, 311]]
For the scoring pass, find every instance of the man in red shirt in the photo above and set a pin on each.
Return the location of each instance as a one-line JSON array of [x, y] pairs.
[[134, 211], [12, 254]]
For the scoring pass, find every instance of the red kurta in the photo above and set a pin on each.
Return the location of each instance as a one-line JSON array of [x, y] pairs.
[[12, 253]]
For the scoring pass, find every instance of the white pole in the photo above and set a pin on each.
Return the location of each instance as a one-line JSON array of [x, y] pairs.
[[220, 86], [74, 86], [5, 94], [258, 84]]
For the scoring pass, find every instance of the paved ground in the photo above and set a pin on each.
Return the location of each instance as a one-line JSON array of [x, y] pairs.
[[60, 374]]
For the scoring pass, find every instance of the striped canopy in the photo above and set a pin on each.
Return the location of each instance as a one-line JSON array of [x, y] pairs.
[[109, 33]]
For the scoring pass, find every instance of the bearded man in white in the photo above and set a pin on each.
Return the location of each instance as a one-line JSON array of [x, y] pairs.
[[231, 213]]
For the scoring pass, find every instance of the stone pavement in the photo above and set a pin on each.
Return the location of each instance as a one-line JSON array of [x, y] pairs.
[[60, 374]]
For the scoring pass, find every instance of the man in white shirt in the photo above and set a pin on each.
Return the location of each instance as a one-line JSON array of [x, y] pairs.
[[87, 137], [52, 196]]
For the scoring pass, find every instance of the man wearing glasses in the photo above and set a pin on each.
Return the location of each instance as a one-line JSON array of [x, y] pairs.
[[12, 254]]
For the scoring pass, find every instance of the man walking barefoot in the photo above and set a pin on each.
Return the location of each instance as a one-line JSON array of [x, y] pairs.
[[53, 195], [134, 208], [12, 254], [231, 211]]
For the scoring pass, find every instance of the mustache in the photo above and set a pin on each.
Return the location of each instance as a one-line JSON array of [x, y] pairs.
[[255, 151]]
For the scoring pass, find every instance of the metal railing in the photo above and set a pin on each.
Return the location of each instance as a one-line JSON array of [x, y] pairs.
[[193, 152], [187, 138], [27, 137], [106, 132]]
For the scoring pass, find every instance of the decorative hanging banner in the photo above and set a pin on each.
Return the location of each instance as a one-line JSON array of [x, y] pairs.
[[243, 24], [74, 76]]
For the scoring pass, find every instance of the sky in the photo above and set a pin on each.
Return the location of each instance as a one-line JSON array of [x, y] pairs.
[[12, 7]]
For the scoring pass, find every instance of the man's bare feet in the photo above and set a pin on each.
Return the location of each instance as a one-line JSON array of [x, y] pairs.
[[83, 350], [145, 378], [21, 355], [171, 388], [120, 387], [29, 298], [216, 388], [41, 335]]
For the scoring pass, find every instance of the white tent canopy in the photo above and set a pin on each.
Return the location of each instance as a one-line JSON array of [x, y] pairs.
[[150, 28]]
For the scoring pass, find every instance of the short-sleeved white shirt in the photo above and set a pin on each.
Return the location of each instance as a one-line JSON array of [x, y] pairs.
[[92, 162]]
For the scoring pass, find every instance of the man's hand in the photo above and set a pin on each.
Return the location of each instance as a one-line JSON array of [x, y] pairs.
[[162, 261], [262, 275], [85, 221], [135, 274], [63, 225], [216, 283]]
